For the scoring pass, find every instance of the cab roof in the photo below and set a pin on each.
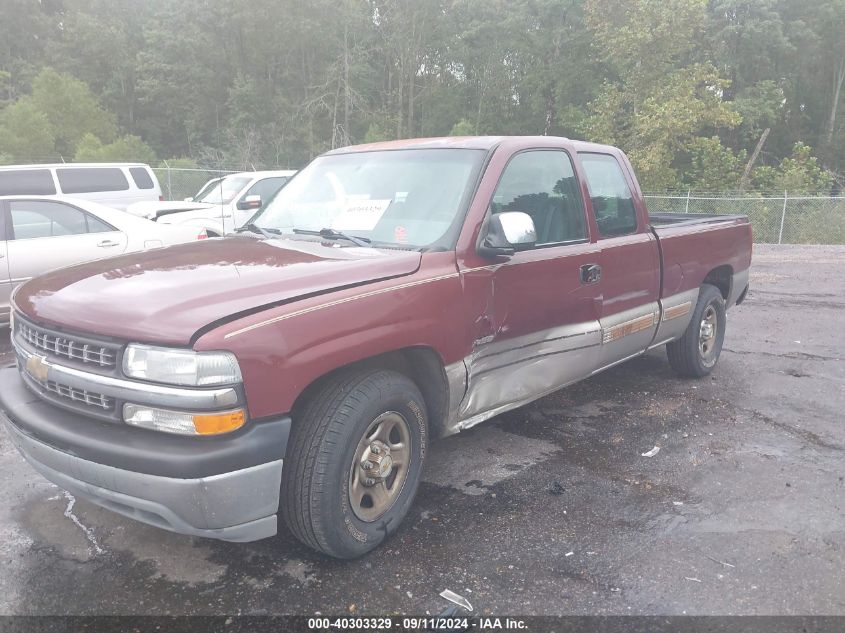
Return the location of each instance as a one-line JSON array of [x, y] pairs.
[[486, 143]]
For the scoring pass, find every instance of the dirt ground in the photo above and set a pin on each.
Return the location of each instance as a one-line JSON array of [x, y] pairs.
[[550, 509]]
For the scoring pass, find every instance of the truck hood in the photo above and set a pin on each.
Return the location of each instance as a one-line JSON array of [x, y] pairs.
[[167, 295], [151, 209]]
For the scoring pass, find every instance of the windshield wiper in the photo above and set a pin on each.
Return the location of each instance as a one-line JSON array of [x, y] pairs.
[[254, 228], [331, 234]]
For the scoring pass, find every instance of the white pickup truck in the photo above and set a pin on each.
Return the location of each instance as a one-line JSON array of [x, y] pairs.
[[221, 208]]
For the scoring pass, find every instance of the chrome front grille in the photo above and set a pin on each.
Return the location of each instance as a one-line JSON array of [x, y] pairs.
[[67, 347], [79, 395]]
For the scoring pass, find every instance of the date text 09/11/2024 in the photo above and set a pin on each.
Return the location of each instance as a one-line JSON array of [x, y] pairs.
[[454, 623]]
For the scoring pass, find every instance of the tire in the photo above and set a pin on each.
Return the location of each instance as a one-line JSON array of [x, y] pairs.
[[325, 484], [691, 356]]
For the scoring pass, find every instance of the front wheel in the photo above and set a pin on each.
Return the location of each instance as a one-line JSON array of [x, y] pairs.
[[354, 462], [695, 354]]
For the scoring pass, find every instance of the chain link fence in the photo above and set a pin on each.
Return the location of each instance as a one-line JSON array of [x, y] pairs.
[[781, 219]]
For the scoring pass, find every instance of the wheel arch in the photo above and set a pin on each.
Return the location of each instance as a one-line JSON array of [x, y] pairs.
[[722, 278], [421, 364]]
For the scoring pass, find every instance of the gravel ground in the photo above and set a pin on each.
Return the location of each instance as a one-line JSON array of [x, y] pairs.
[[550, 509]]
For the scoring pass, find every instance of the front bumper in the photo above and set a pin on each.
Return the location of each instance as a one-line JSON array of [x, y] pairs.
[[225, 488]]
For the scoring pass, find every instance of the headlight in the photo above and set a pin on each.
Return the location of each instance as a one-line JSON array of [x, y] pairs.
[[180, 366]]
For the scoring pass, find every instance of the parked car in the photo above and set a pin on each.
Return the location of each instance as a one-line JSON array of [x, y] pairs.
[[224, 204], [39, 233], [116, 185], [390, 294]]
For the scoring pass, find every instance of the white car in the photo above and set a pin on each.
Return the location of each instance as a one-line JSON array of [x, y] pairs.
[[40, 233], [223, 205]]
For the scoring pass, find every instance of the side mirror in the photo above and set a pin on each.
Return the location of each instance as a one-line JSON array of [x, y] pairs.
[[250, 202], [507, 233]]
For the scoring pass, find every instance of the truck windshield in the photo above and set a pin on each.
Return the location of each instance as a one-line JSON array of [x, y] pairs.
[[405, 198], [224, 191], [206, 188]]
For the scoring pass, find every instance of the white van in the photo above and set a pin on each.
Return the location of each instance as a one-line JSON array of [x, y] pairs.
[[116, 185]]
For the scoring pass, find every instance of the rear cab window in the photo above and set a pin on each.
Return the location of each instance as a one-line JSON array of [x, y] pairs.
[[613, 204], [91, 179], [30, 182]]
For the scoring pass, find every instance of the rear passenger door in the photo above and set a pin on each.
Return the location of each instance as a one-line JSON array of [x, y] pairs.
[[46, 234], [629, 277]]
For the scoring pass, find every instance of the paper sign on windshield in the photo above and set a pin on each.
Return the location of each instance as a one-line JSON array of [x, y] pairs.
[[360, 215]]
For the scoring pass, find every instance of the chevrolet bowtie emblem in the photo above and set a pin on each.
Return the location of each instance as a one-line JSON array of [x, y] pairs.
[[37, 367]]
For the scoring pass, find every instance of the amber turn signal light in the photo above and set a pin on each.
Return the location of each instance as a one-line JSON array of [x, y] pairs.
[[212, 424]]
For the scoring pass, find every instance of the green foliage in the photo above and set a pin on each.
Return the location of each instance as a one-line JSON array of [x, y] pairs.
[[462, 128], [51, 121], [654, 110], [797, 174], [26, 133], [759, 106], [71, 109], [376, 133], [713, 167], [91, 149], [685, 87]]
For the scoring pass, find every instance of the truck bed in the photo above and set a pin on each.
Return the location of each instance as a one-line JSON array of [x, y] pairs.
[[690, 243]]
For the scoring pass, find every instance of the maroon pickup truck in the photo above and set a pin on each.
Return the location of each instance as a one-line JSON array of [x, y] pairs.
[[389, 294]]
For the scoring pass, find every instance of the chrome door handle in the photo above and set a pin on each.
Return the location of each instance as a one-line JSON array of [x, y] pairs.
[[107, 244]]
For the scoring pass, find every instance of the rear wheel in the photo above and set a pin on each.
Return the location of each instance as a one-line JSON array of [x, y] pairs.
[[354, 461], [696, 353]]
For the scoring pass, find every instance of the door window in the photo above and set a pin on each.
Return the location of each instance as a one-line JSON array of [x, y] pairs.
[[542, 184], [36, 218], [96, 225], [613, 204], [91, 179], [266, 188]]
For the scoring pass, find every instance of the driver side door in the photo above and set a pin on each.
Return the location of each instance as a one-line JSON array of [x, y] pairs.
[[539, 329]]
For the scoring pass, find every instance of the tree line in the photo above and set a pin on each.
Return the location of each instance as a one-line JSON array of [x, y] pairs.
[[712, 95]]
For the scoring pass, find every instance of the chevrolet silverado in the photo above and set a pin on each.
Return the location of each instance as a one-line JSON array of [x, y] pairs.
[[389, 294]]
